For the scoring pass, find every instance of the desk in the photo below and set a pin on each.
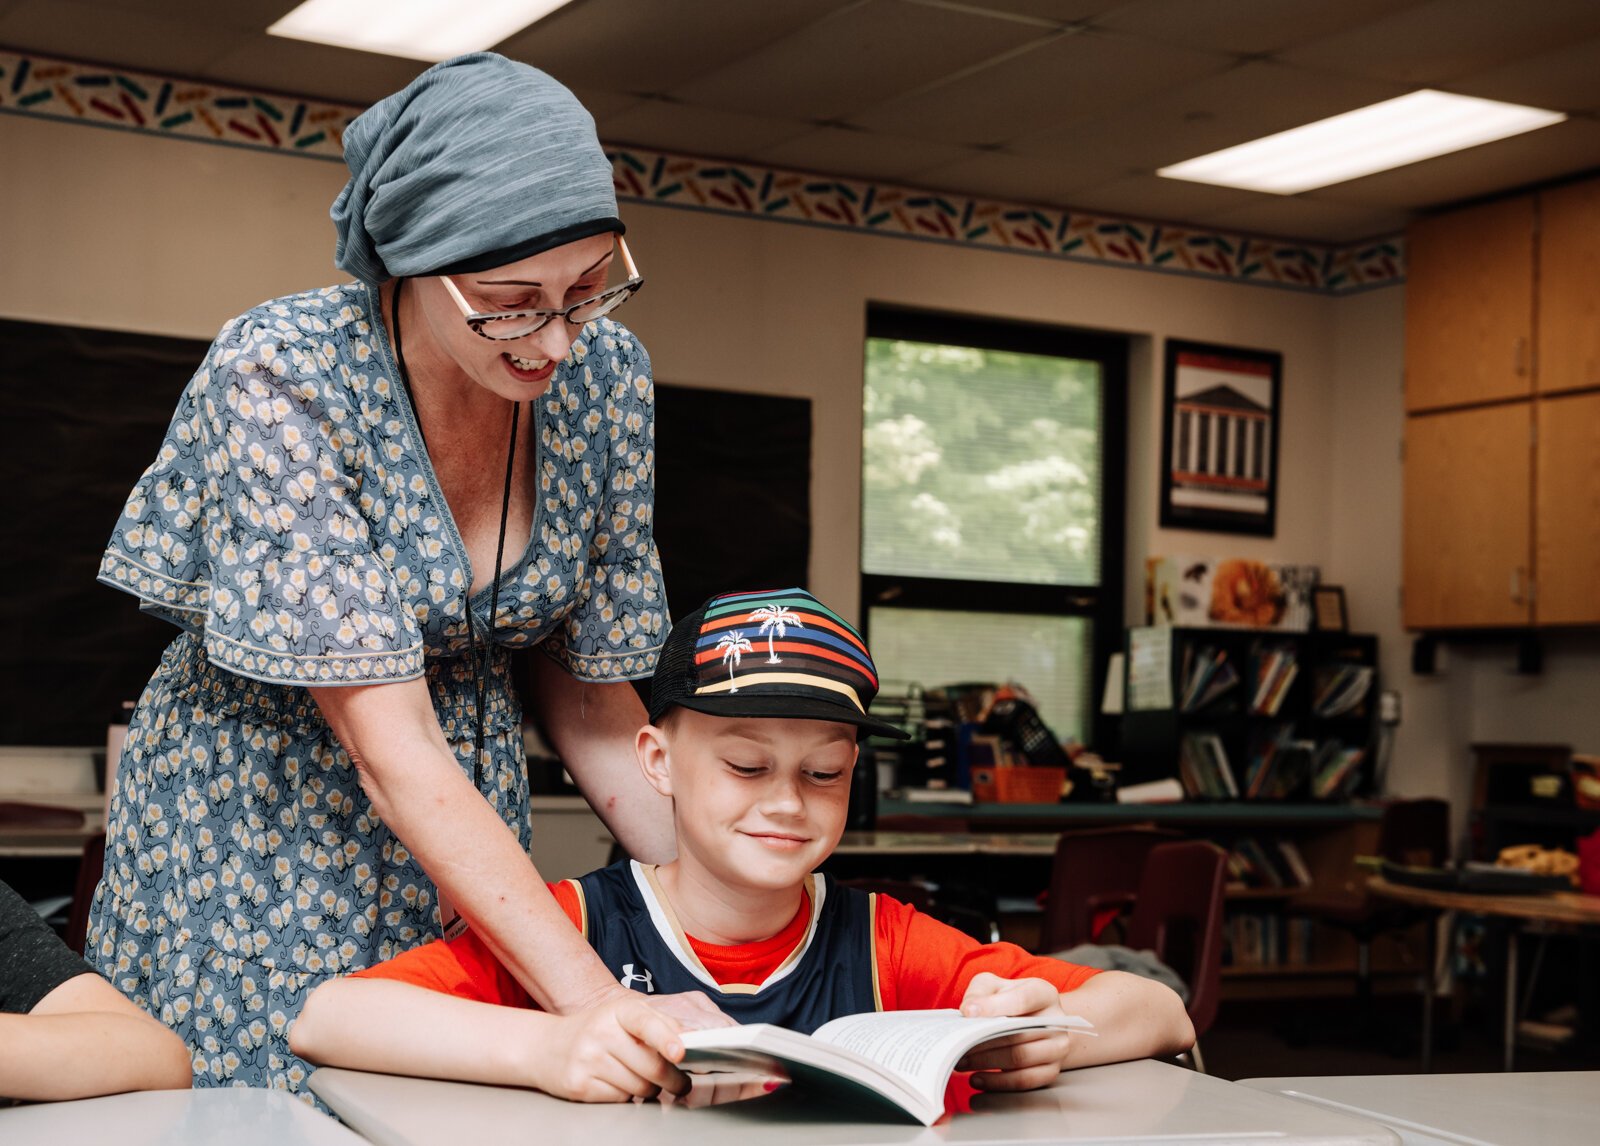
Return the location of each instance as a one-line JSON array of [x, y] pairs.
[[1033, 844], [1235, 814], [1125, 1102], [237, 1116], [1560, 908], [1554, 1109]]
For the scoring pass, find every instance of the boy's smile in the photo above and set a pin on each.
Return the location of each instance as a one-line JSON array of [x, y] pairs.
[[758, 804]]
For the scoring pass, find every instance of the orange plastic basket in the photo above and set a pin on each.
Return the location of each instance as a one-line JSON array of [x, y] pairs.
[[1018, 785]]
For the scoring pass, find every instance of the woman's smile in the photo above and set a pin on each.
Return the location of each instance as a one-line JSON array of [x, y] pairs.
[[529, 369]]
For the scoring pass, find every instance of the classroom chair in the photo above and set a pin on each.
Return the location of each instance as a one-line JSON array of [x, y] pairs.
[[1094, 878], [1177, 914], [924, 897], [1411, 832], [90, 867]]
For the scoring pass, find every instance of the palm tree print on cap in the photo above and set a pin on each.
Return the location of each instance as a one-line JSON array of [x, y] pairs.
[[733, 645], [774, 619]]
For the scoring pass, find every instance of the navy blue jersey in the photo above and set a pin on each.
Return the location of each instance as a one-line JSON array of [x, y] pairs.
[[630, 924]]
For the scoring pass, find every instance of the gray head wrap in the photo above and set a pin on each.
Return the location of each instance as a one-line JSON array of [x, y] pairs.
[[478, 162]]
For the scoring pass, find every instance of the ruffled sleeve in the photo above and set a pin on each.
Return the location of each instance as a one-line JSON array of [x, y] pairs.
[[618, 620], [247, 529]]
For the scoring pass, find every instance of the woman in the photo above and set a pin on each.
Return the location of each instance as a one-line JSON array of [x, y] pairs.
[[325, 766]]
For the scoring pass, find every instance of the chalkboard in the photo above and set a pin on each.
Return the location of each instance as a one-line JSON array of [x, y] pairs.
[[86, 411]]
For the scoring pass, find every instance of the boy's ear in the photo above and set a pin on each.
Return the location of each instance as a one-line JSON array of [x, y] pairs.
[[651, 747]]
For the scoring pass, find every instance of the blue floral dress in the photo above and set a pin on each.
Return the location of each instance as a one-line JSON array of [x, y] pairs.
[[293, 528]]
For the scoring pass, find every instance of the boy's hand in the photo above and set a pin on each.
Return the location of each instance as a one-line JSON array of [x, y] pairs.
[[619, 1049], [1016, 1062]]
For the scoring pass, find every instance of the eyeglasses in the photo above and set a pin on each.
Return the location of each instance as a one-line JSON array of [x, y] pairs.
[[504, 325]]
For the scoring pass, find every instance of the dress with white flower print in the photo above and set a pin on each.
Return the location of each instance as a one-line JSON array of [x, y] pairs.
[[292, 527]]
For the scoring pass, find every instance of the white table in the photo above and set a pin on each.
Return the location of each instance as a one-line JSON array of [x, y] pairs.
[[1559, 1108], [234, 1116], [1127, 1102]]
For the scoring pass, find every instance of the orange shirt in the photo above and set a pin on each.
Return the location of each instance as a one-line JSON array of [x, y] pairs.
[[922, 963]]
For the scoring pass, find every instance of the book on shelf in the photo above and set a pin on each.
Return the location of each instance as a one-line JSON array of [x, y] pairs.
[[1341, 690], [896, 1061], [1268, 864], [1276, 669], [1204, 769], [1336, 771], [1208, 674], [1257, 939], [1280, 765]]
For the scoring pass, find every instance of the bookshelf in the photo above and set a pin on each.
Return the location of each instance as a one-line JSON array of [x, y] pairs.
[[1250, 715], [1328, 836]]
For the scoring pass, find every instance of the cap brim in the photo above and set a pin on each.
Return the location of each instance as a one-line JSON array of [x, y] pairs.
[[778, 707]]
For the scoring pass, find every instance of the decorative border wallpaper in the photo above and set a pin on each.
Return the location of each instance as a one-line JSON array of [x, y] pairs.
[[83, 93]]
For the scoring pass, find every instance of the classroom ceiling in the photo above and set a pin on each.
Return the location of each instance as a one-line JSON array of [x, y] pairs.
[[1066, 103]]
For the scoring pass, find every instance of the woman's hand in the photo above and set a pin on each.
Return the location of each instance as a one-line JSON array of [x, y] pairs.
[[693, 1010], [1022, 1061]]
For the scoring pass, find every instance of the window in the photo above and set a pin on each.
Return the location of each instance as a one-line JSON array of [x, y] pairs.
[[992, 507]]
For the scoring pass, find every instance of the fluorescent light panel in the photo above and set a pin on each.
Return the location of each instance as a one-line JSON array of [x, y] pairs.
[[431, 30], [1393, 133]]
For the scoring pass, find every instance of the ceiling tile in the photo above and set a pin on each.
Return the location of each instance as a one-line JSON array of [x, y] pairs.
[[1294, 216], [315, 70], [603, 105], [1440, 41], [860, 154], [1521, 161], [656, 45], [96, 33], [245, 15], [1218, 111], [1152, 197], [1015, 178], [856, 58], [1567, 79], [1243, 26], [1056, 11], [1064, 80], [702, 131]]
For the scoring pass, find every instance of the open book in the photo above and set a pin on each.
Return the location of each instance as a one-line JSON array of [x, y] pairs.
[[899, 1058]]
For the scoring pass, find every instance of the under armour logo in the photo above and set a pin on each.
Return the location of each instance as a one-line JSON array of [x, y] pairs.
[[629, 979]]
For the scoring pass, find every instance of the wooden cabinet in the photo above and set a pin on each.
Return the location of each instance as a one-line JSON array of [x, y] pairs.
[[1569, 288], [1467, 525], [1469, 306], [1567, 522], [1502, 525]]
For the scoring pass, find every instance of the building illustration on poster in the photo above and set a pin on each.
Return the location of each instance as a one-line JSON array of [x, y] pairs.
[[1220, 434]]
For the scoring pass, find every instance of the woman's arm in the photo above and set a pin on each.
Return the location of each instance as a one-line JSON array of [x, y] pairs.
[[418, 788], [618, 1050], [592, 727], [83, 1039], [1133, 1017]]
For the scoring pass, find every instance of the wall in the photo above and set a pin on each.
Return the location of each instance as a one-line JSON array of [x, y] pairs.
[[1473, 696], [112, 229]]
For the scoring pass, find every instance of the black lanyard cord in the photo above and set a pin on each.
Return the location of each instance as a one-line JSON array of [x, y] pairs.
[[480, 662]]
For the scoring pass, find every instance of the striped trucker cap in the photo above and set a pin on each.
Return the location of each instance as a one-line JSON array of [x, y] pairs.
[[776, 653]]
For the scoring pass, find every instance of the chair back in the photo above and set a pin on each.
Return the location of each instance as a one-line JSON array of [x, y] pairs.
[[1415, 832], [90, 867], [1094, 871], [1178, 915]]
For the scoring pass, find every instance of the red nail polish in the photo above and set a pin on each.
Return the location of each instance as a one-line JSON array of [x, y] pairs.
[[771, 1085]]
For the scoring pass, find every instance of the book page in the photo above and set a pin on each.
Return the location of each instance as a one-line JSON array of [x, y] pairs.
[[921, 1046]]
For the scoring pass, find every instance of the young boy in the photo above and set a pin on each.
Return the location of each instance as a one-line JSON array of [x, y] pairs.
[[754, 740], [64, 1031]]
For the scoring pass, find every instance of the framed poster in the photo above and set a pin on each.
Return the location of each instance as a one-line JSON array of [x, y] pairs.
[[1219, 438]]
